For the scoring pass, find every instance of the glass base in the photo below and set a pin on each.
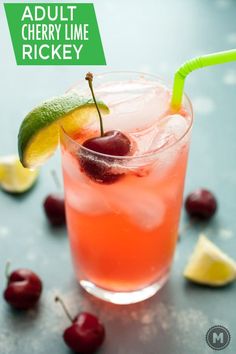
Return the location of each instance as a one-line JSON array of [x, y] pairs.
[[124, 298]]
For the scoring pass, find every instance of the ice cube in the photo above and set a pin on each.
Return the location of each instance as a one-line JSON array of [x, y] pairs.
[[88, 200], [136, 107], [174, 126], [148, 213], [157, 139], [143, 208], [165, 132]]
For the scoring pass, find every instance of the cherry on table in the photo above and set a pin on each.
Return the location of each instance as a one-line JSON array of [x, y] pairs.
[[112, 143], [23, 290], [54, 207], [86, 333], [201, 204]]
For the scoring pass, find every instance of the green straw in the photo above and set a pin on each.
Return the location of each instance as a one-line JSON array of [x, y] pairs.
[[194, 64]]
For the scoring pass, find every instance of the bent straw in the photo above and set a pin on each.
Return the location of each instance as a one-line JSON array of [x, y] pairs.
[[194, 64]]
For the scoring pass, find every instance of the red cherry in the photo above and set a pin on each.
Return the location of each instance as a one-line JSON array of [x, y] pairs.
[[113, 143], [86, 333], [23, 289], [54, 207], [201, 204]]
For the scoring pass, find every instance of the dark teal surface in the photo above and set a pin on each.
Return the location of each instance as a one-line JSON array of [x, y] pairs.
[[154, 36]]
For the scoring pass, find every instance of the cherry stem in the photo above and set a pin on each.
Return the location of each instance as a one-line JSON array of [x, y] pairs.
[[58, 299], [89, 78], [56, 179], [7, 270]]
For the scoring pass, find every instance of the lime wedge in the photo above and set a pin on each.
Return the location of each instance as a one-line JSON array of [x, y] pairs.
[[209, 265], [14, 178], [39, 132]]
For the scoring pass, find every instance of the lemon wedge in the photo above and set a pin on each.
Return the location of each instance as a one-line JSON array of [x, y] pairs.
[[14, 178], [209, 265]]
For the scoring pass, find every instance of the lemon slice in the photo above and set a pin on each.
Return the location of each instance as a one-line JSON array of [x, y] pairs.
[[39, 132], [209, 265], [14, 178]]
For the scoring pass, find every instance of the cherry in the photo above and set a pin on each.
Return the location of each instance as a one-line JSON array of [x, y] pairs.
[[23, 290], [201, 204], [113, 143], [86, 333], [54, 207]]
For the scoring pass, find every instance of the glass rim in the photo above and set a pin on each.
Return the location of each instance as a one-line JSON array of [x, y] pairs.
[[153, 153]]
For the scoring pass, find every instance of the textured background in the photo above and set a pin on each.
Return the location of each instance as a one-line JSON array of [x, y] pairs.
[[152, 36]]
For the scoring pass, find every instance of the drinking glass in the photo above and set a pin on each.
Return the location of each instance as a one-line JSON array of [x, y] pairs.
[[123, 234]]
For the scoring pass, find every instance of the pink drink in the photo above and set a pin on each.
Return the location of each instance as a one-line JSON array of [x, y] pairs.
[[123, 234]]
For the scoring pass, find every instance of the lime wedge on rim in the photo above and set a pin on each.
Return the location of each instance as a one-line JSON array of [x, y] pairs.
[[39, 132], [14, 178], [209, 265]]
